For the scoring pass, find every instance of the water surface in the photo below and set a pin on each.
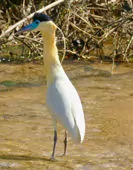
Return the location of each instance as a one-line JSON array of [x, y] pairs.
[[26, 133]]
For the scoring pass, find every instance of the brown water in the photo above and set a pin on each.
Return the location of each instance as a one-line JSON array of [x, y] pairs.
[[26, 133]]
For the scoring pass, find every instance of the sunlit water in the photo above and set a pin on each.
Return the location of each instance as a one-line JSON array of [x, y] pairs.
[[26, 129]]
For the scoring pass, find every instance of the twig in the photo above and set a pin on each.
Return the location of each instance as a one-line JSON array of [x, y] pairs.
[[97, 17], [79, 29], [127, 48], [30, 16], [31, 39], [85, 21], [68, 17]]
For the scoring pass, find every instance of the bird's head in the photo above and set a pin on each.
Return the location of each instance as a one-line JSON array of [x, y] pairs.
[[41, 22]]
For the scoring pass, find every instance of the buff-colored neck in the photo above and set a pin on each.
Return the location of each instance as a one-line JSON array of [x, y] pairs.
[[50, 54]]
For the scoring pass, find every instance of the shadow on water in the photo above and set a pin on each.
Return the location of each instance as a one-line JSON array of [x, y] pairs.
[[23, 158], [10, 85]]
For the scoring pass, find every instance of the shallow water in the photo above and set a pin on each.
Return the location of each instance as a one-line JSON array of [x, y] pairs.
[[26, 133]]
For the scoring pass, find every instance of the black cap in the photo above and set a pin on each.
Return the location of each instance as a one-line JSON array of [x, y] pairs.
[[41, 17]]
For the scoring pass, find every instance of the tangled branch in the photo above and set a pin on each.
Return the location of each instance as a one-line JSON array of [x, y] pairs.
[[94, 30]]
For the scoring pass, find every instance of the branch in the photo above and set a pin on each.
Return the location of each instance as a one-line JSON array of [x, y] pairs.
[[30, 16], [79, 29]]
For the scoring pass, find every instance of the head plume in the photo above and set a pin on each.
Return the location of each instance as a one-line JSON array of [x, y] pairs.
[[41, 17]]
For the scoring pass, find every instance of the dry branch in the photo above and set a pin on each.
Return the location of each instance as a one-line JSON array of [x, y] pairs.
[[89, 28], [30, 16]]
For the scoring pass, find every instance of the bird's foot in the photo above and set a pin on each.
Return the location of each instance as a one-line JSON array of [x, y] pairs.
[[52, 158], [64, 154]]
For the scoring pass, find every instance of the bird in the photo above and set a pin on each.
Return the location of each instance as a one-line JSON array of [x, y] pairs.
[[62, 98]]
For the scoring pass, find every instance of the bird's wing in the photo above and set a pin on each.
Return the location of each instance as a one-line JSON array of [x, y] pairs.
[[64, 102], [78, 114]]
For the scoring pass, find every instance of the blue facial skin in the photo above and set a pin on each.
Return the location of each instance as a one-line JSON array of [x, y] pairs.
[[29, 27]]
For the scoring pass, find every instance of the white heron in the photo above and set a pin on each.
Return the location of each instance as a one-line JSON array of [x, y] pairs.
[[62, 98]]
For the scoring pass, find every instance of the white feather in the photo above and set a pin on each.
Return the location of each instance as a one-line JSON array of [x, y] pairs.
[[65, 105]]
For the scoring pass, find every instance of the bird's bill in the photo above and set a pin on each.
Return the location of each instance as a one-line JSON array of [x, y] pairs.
[[29, 27]]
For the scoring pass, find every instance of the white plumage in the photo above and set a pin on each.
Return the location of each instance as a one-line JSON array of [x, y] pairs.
[[62, 97], [65, 105]]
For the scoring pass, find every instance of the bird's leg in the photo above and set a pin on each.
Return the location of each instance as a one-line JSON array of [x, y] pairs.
[[54, 146], [65, 143], [55, 141]]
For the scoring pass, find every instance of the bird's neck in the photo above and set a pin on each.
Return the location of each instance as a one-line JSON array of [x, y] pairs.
[[51, 58]]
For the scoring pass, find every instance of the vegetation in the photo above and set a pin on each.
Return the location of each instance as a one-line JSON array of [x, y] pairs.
[[94, 30]]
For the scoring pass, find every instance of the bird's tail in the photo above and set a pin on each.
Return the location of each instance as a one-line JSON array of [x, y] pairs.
[[78, 133]]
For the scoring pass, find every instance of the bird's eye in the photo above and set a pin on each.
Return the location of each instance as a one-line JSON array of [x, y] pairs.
[[37, 22]]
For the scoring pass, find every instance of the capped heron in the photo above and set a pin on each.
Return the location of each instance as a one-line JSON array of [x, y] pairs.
[[61, 97]]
